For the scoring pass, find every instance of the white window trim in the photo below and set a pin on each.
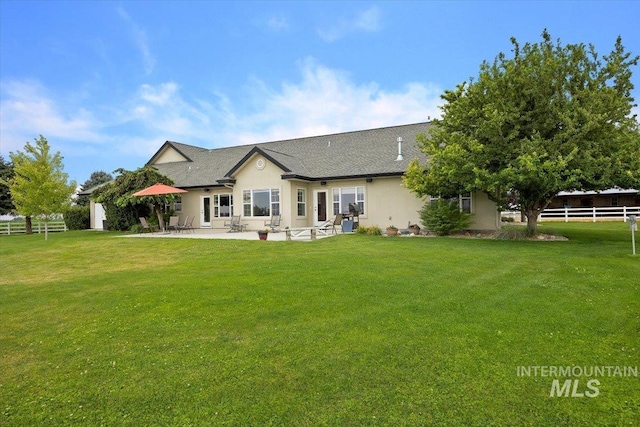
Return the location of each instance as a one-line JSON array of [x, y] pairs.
[[302, 203], [461, 198], [357, 200], [216, 205], [272, 203]]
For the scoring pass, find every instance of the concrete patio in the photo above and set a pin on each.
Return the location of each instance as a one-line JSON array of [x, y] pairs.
[[208, 233]]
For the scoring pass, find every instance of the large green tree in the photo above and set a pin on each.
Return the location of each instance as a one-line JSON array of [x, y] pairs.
[[549, 118], [122, 207], [6, 173], [96, 178], [39, 186]]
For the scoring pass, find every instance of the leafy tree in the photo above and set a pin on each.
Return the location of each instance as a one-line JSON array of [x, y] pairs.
[[6, 173], [96, 178], [122, 207], [444, 216], [39, 186], [548, 119]]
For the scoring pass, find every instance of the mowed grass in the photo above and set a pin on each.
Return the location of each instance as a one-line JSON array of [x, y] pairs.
[[347, 331]]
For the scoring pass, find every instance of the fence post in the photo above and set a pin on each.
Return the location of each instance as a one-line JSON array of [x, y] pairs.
[[594, 214], [566, 214], [624, 214]]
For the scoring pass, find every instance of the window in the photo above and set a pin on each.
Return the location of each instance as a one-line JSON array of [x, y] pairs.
[[302, 202], [261, 202], [177, 205], [345, 195], [586, 203], [222, 205], [463, 200], [614, 200]]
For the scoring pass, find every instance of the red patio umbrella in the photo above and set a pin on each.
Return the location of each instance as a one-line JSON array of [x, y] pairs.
[[159, 189]]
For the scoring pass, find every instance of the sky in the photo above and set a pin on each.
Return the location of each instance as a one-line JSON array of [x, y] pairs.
[[108, 82]]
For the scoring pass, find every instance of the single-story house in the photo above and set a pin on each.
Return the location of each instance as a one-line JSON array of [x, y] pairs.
[[613, 197], [306, 180]]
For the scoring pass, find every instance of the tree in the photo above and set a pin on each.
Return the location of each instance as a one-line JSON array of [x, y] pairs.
[[39, 186], [118, 195], [549, 119], [6, 173], [96, 178]]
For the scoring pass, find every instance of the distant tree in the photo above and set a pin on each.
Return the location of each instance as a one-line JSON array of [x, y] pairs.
[[121, 207], [549, 119], [96, 178], [39, 186], [6, 173]]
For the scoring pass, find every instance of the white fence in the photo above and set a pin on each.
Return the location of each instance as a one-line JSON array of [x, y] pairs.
[[582, 214], [18, 227], [593, 214]]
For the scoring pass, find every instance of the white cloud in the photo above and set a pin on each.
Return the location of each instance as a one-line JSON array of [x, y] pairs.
[[328, 101], [278, 23], [323, 100], [369, 20], [27, 110], [140, 40]]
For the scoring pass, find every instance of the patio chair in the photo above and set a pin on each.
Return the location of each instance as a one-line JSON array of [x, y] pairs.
[[187, 224], [274, 223], [331, 224], [146, 227], [234, 224], [174, 222]]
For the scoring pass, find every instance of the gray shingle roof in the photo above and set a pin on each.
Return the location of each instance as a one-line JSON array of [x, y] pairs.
[[350, 154]]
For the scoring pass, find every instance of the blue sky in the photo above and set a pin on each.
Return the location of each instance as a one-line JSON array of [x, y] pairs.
[[107, 82]]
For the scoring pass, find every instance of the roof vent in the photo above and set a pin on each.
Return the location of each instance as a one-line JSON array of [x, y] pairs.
[[399, 150]]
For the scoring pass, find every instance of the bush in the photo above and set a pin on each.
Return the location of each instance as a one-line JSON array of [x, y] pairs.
[[444, 217], [512, 233], [137, 228], [371, 230], [77, 218]]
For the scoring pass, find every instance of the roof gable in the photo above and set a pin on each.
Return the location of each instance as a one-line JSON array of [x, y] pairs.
[[256, 150], [356, 154], [168, 153]]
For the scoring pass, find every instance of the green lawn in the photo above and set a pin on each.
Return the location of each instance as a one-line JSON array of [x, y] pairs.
[[347, 331]]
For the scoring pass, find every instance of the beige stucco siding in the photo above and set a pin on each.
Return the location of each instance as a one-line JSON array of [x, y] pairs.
[[387, 201], [168, 156], [486, 217], [258, 173]]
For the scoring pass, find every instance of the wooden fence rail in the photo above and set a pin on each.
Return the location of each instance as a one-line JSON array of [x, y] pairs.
[[18, 227], [593, 214]]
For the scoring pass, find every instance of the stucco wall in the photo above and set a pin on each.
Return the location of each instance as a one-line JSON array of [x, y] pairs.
[[486, 217], [387, 201], [168, 156]]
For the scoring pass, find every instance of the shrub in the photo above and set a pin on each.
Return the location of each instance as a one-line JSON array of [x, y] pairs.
[[444, 217], [137, 228], [511, 233], [77, 218], [371, 230]]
